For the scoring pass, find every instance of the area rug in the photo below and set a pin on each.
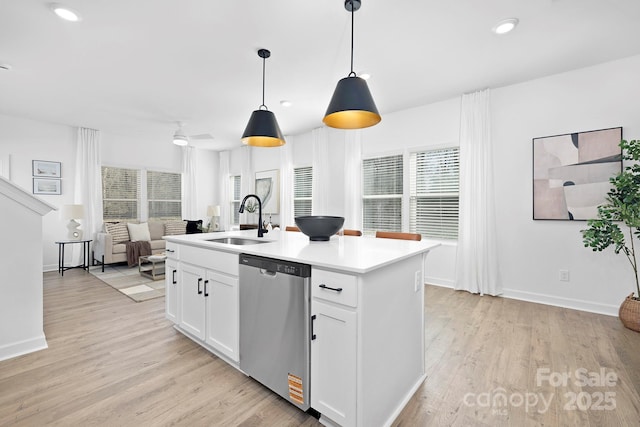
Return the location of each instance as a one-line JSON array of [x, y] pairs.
[[129, 282]]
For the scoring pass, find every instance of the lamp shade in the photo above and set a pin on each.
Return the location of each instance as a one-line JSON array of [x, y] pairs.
[[263, 130], [72, 212], [213, 210], [352, 106]]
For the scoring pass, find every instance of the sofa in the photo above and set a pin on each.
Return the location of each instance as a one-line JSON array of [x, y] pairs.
[[110, 244]]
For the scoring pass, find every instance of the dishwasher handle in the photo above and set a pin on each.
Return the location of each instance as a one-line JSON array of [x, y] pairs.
[[266, 272]]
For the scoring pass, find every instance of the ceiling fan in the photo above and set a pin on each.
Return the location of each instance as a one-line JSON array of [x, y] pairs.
[[181, 138]]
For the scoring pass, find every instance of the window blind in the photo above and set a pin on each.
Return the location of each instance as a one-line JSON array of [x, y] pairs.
[[434, 193], [120, 193], [164, 195], [235, 198], [382, 194], [302, 191]]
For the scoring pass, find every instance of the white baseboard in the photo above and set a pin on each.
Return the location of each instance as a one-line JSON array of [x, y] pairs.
[[12, 350], [50, 267], [575, 304], [439, 281]]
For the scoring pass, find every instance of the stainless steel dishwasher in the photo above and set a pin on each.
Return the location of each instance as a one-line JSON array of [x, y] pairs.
[[275, 325]]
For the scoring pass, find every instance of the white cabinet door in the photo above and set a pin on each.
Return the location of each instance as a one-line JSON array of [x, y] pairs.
[[171, 290], [191, 311], [333, 362], [222, 313]]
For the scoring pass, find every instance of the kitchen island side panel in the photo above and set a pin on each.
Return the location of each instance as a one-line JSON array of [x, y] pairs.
[[391, 337]]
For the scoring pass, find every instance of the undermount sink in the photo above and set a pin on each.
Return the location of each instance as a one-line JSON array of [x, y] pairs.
[[237, 241]]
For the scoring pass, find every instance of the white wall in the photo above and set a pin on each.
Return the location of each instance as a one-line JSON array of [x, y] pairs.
[[21, 303], [532, 252], [25, 140]]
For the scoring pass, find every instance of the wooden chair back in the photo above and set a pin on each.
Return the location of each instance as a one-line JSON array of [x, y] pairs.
[[291, 228], [395, 235], [348, 232]]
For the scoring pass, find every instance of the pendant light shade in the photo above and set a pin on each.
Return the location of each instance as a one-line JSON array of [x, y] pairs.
[[352, 106], [262, 129]]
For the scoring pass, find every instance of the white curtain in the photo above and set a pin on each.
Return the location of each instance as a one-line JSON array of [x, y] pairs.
[[321, 171], [189, 184], [286, 183], [353, 176], [477, 258], [225, 192], [88, 185]]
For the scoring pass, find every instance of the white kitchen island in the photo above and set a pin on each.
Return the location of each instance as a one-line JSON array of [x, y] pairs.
[[367, 358]]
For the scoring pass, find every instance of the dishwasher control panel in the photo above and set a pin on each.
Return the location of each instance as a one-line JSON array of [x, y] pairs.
[[276, 265]]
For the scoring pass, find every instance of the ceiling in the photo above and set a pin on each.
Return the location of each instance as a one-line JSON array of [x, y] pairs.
[[137, 67]]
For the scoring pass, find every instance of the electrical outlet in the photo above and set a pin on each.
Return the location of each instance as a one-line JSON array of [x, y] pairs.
[[564, 275], [418, 281]]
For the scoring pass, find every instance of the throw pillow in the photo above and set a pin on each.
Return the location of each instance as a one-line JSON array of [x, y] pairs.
[[156, 229], [118, 230], [139, 232], [194, 226], [172, 228]]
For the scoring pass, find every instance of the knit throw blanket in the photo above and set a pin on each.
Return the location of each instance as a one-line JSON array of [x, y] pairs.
[[135, 250]]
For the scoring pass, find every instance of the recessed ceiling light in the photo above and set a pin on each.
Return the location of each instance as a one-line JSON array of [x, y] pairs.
[[505, 26], [365, 76], [65, 13], [286, 103]]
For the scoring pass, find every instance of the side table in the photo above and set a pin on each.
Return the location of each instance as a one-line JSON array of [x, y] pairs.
[[85, 255], [155, 271]]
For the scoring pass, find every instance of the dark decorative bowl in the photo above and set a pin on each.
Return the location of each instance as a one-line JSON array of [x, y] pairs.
[[319, 228]]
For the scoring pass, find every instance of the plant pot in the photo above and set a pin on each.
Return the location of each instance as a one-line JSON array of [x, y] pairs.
[[630, 313]]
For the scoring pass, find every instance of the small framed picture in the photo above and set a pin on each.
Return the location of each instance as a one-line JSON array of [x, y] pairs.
[[47, 186], [43, 169]]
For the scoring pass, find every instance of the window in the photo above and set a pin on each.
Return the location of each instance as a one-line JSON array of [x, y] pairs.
[[235, 199], [133, 194], [120, 193], [434, 196], [302, 190], [164, 194], [382, 194]]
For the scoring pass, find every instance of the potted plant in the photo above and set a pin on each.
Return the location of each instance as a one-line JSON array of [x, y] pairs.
[[621, 211]]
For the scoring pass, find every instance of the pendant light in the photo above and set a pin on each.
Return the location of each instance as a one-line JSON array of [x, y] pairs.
[[352, 105], [262, 129]]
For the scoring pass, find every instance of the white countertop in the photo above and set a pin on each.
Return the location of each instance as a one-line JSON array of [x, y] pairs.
[[344, 253]]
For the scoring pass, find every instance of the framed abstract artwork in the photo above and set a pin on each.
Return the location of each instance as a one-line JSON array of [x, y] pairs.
[[268, 189], [571, 173]]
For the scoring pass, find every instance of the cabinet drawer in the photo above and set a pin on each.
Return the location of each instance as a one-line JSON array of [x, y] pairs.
[[336, 287], [171, 249], [224, 262]]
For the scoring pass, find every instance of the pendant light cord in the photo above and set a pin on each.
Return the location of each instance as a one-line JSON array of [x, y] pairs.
[[263, 72], [352, 20]]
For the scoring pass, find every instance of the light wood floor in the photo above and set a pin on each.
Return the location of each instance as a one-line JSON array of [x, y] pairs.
[[112, 361]]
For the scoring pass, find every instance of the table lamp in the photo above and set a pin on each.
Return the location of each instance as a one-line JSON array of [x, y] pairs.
[[214, 213], [73, 212]]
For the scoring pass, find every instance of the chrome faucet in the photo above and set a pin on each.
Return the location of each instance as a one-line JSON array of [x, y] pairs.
[[261, 230]]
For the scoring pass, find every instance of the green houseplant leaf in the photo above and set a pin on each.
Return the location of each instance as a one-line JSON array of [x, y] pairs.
[[621, 211]]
